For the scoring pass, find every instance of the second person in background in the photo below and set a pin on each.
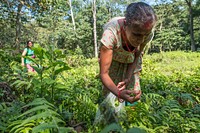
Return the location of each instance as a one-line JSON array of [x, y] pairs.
[[28, 52]]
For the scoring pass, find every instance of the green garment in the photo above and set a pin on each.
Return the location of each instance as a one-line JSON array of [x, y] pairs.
[[29, 53]]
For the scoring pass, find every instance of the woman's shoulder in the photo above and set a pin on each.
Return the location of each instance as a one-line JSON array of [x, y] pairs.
[[113, 23], [28, 50], [25, 49], [116, 19]]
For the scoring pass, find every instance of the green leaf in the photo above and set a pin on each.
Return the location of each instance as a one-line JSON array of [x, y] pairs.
[[66, 130], [37, 69], [38, 101], [37, 108], [43, 115], [111, 127], [61, 70], [38, 51], [136, 130], [49, 81], [161, 128], [44, 126]]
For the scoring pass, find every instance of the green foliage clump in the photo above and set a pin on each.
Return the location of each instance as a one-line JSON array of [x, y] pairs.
[[40, 116], [170, 83], [65, 92]]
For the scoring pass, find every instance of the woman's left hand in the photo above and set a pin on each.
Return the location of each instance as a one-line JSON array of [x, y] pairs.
[[123, 83]]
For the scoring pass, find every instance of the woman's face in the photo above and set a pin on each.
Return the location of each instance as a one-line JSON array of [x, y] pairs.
[[137, 35], [30, 44]]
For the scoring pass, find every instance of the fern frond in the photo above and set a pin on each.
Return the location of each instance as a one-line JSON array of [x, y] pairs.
[[136, 130], [161, 128], [57, 120], [41, 111], [111, 127], [43, 115], [37, 108], [66, 130], [19, 83], [44, 126], [39, 101], [3, 106], [177, 110], [18, 130], [17, 126], [18, 122]]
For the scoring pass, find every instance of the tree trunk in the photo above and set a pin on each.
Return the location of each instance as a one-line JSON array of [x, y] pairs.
[[95, 29], [72, 15], [18, 26], [193, 47], [189, 3], [73, 22]]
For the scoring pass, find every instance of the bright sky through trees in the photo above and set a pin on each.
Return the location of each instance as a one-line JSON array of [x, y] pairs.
[[153, 2]]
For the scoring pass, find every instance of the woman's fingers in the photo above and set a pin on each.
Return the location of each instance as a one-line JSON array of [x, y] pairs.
[[122, 87], [138, 95], [120, 84], [127, 94], [135, 98]]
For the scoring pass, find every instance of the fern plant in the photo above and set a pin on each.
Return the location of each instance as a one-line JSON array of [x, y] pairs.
[[40, 117], [8, 112]]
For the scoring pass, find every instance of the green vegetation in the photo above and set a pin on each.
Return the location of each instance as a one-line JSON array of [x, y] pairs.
[[64, 94], [51, 22]]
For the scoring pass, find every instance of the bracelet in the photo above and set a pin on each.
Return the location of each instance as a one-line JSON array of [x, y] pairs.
[[119, 99]]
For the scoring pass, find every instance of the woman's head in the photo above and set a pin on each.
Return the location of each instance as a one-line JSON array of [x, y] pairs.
[[140, 19], [29, 44], [140, 14]]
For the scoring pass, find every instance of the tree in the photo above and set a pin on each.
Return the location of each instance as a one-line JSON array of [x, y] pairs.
[[171, 31], [94, 28], [18, 24], [190, 8], [72, 15]]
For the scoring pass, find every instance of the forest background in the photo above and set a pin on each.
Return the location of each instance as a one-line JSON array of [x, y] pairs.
[[65, 92]]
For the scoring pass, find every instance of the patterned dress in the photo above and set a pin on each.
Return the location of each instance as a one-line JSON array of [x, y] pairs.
[[112, 39]]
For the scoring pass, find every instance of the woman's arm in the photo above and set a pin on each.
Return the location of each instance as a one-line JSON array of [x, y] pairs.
[[22, 59], [131, 68], [105, 62], [130, 72]]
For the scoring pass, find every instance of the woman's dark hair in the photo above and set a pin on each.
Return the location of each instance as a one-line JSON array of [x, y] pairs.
[[140, 13], [28, 43]]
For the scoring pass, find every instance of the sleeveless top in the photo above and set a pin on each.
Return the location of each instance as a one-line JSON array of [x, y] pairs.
[[30, 53]]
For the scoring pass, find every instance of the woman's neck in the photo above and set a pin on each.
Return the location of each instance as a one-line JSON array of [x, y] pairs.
[[125, 43]]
